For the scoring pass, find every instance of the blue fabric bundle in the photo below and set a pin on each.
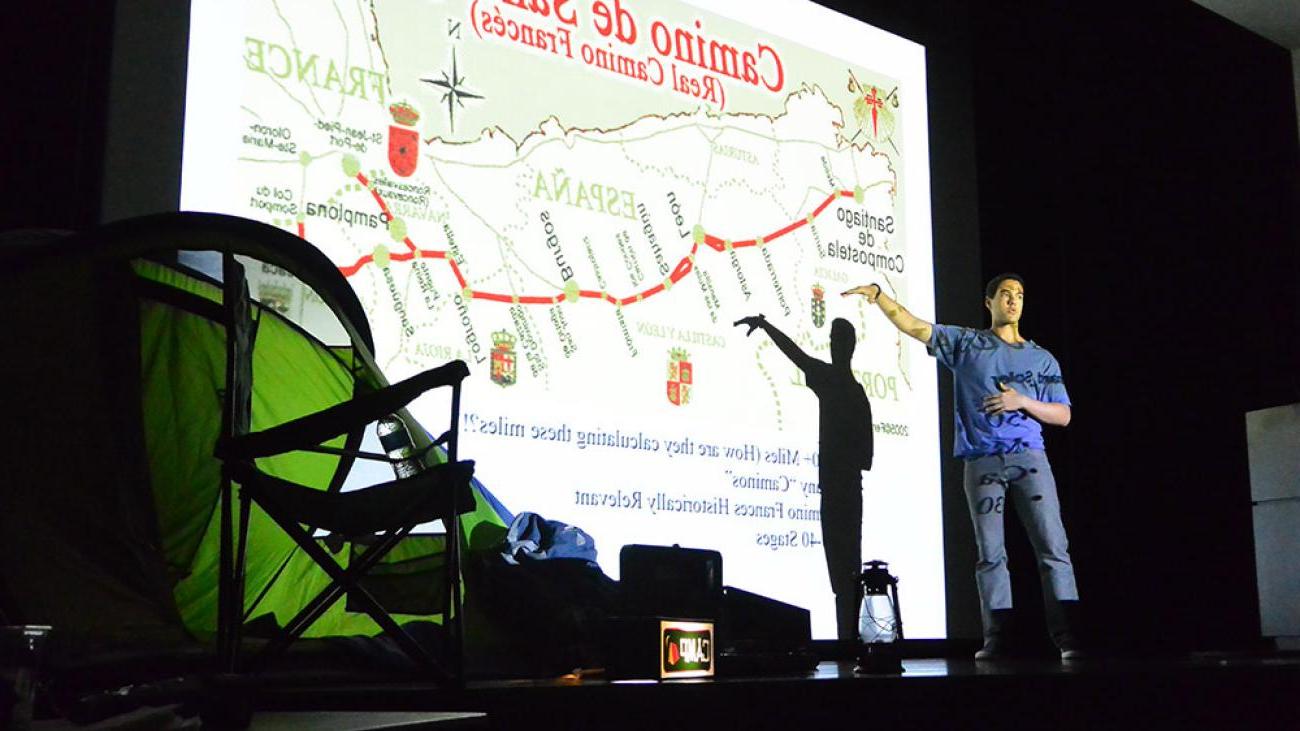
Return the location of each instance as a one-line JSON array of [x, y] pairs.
[[534, 538]]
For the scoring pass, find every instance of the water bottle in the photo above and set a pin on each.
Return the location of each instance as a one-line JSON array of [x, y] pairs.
[[397, 444]]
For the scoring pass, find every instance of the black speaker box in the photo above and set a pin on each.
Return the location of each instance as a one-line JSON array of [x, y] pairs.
[[759, 635], [670, 581], [749, 618]]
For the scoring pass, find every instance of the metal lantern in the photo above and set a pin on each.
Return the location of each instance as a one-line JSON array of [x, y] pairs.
[[880, 619]]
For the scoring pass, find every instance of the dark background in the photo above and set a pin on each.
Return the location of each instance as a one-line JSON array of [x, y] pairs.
[[1136, 162]]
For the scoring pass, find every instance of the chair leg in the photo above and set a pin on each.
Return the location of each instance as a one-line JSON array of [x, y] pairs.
[[227, 614], [344, 581], [234, 633], [403, 639], [452, 612], [339, 578]]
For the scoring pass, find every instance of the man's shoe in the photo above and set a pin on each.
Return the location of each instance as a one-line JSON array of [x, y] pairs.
[[997, 628], [995, 648], [1066, 626], [1071, 650]]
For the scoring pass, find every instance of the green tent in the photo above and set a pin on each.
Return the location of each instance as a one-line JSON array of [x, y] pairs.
[[114, 375]]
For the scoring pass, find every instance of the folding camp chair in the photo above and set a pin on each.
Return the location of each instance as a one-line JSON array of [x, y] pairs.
[[379, 516]]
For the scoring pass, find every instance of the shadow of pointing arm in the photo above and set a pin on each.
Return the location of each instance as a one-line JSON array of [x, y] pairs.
[[782, 341]]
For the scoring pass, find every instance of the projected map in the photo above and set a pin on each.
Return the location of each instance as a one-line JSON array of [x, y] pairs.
[[578, 199]]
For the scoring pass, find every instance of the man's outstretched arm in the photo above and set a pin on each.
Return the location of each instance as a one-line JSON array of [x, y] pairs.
[[783, 341], [906, 322]]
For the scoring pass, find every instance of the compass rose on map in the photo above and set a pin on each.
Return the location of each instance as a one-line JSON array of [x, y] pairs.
[[454, 84]]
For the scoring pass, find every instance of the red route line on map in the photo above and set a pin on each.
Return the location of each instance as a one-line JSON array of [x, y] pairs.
[[682, 269]]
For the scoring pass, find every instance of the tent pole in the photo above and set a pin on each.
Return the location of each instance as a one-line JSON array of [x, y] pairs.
[[235, 419], [453, 616], [225, 584]]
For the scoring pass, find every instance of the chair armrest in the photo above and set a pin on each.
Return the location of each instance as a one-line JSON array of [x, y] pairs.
[[421, 498], [313, 429]]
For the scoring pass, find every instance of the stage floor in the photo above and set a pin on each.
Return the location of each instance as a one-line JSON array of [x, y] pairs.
[[1191, 691]]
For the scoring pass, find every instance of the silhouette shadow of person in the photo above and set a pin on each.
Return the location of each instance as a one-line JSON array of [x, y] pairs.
[[845, 449]]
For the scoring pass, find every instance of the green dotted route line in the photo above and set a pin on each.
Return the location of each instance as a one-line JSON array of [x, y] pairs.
[[898, 343], [396, 230], [382, 254], [499, 236], [305, 160], [704, 198], [510, 275], [522, 186], [771, 383], [898, 335], [351, 168], [796, 299], [667, 173], [742, 183]]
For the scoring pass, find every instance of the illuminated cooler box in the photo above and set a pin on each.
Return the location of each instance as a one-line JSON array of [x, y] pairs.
[[679, 621], [660, 647]]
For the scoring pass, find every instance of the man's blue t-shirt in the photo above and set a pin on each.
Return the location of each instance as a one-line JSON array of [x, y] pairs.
[[979, 361]]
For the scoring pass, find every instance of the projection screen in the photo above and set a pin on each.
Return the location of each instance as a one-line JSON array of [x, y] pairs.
[[579, 199]]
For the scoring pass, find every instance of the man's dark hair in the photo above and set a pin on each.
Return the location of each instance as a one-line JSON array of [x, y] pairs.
[[991, 289]]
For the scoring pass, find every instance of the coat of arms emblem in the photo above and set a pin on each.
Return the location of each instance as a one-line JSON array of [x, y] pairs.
[[818, 305], [680, 377], [403, 140], [874, 105], [503, 358]]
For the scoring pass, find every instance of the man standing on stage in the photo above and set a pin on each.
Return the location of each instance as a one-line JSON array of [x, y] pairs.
[[845, 447], [1005, 387]]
